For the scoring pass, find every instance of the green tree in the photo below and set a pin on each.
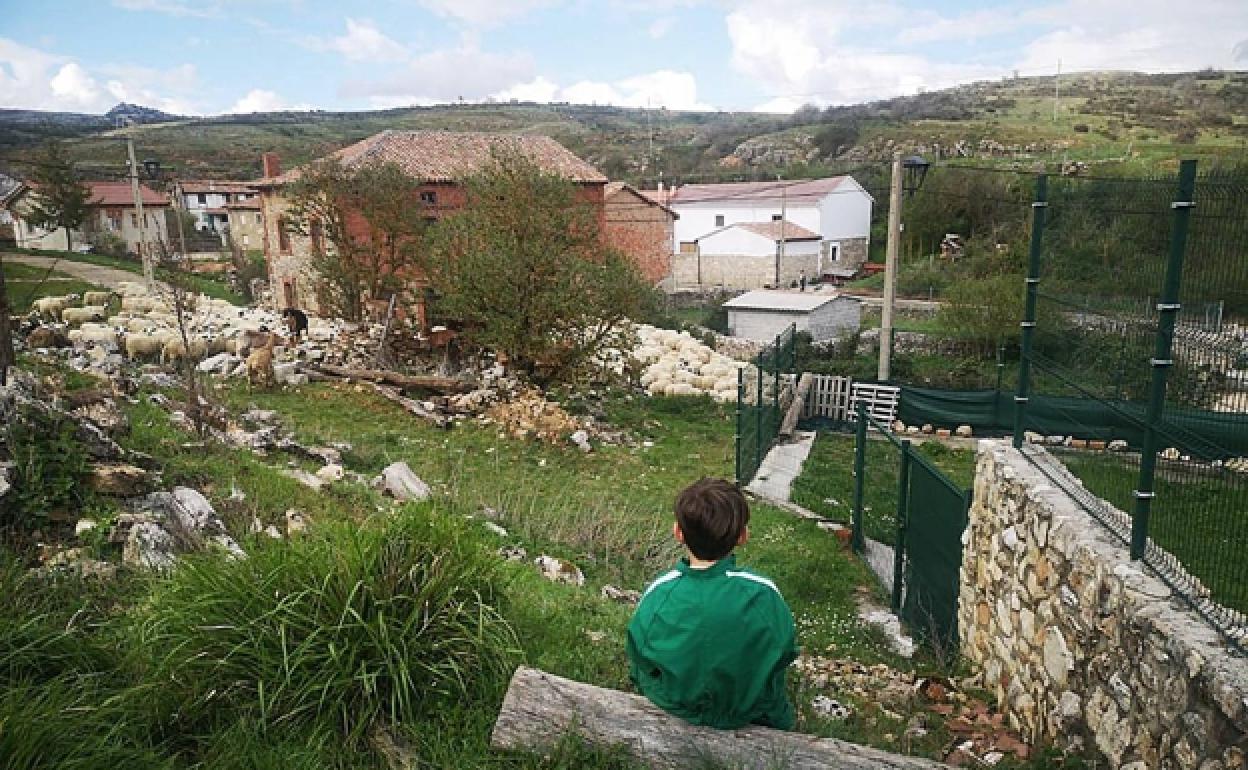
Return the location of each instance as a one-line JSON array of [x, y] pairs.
[[7, 358], [524, 268], [59, 199], [366, 226]]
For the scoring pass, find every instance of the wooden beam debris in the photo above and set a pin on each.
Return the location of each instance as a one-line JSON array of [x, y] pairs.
[[441, 385], [411, 405], [798, 406], [541, 708]]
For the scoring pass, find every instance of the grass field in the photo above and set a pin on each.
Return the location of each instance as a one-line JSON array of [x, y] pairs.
[[197, 283], [24, 284], [826, 485]]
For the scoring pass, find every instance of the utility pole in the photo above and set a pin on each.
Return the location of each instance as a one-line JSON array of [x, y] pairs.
[[890, 271], [180, 198], [784, 201], [144, 252]]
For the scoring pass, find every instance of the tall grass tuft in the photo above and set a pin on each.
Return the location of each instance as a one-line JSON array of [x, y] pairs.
[[344, 627]]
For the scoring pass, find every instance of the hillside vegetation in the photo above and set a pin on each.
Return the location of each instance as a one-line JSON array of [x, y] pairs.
[[1143, 120]]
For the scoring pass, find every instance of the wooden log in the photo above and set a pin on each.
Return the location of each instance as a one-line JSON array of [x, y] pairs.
[[411, 405], [541, 708], [442, 385], [789, 424]]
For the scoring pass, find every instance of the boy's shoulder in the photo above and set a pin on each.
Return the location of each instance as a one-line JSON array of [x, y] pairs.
[[747, 579]]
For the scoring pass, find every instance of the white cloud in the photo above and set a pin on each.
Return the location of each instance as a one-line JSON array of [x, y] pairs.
[[662, 88], [481, 13], [444, 75], [173, 90], [1151, 36], [260, 100], [364, 42], [73, 85], [36, 80]]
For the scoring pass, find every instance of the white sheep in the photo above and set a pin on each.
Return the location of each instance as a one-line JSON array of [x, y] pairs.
[[136, 304], [142, 345], [97, 298], [175, 349], [51, 307], [81, 315]]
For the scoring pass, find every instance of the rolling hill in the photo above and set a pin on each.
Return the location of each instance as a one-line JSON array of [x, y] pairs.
[[1116, 118]]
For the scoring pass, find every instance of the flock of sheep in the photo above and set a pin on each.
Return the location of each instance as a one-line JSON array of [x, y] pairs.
[[145, 326], [677, 364]]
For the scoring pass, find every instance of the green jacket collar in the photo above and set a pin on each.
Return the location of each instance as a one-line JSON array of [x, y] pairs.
[[715, 570]]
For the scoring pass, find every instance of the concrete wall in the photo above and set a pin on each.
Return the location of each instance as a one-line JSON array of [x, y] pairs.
[[845, 213], [247, 228], [1081, 645]]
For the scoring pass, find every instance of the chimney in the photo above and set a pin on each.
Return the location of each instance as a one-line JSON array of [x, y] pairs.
[[272, 164]]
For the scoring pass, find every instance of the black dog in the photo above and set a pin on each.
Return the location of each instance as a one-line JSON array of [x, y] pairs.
[[296, 321]]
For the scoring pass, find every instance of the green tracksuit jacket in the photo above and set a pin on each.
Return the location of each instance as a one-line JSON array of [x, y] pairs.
[[711, 646]]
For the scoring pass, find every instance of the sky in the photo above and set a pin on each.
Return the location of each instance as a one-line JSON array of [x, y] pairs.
[[208, 57]]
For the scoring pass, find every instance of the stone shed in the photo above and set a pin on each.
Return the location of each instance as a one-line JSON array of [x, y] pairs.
[[763, 314]]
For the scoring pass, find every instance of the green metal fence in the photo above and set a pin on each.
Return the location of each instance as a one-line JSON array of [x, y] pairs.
[[929, 514], [764, 390], [1150, 325]]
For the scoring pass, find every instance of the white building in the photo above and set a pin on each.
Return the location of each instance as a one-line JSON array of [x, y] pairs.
[[837, 209], [751, 255], [761, 315], [207, 201]]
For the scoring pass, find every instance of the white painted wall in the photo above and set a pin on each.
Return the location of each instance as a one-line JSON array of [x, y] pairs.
[[698, 219], [845, 213], [823, 323]]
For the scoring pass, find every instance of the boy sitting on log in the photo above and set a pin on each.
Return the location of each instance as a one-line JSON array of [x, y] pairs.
[[710, 642]]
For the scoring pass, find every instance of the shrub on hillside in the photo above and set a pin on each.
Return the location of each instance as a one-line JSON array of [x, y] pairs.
[[349, 626], [49, 467]]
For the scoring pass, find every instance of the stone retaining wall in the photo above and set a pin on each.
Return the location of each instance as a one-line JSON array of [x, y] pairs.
[[1082, 645]]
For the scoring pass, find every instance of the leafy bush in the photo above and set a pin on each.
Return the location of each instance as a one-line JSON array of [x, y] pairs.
[[348, 626], [108, 243], [49, 467]]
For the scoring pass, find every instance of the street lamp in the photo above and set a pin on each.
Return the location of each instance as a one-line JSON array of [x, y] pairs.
[[914, 170]]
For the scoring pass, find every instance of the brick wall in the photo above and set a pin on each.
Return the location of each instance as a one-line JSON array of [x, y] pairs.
[[641, 230]]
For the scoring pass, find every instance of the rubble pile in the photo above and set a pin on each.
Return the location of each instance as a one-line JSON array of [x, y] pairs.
[[679, 365], [529, 415], [915, 705]]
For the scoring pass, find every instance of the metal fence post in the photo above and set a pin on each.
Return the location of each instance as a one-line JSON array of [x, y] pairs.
[[858, 538], [736, 438], [1167, 311], [1038, 209], [758, 417], [903, 513]]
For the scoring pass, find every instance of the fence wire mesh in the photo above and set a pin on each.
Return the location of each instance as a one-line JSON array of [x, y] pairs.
[[764, 392], [1140, 320]]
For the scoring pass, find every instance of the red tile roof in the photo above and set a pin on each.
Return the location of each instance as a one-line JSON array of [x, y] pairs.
[[121, 195], [771, 230], [452, 156], [805, 191], [615, 188], [193, 186], [662, 197]]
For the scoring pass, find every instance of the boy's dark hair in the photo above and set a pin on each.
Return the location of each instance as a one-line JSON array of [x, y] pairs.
[[712, 513]]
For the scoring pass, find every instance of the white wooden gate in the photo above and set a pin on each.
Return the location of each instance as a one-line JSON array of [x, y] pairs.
[[880, 401], [828, 397]]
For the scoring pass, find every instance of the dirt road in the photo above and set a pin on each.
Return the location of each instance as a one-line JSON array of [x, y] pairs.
[[108, 277]]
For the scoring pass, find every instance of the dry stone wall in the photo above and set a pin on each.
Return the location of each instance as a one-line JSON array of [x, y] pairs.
[[1082, 645]]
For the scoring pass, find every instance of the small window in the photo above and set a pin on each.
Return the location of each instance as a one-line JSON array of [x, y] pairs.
[[315, 233], [246, 241], [775, 217], [134, 219], [430, 197], [719, 220], [202, 199]]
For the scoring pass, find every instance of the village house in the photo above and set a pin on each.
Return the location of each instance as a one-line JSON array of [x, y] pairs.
[[440, 160], [837, 210], [752, 255], [111, 210], [246, 223], [642, 229], [209, 201]]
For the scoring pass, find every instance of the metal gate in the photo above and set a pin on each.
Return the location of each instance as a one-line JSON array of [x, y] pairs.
[[931, 514]]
